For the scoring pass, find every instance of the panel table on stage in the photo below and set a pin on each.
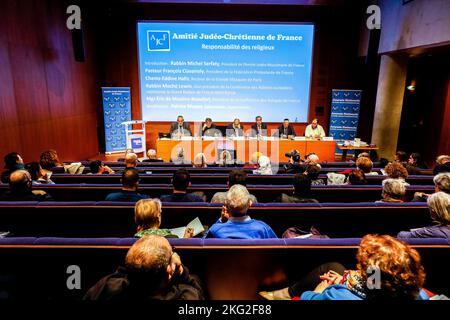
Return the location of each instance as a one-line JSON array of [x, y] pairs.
[[168, 149]]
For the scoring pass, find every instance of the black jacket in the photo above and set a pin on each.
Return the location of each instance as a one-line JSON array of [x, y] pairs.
[[255, 129], [232, 132], [174, 128], [290, 130], [117, 286]]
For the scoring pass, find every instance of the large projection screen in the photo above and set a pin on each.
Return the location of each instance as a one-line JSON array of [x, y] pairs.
[[224, 70]]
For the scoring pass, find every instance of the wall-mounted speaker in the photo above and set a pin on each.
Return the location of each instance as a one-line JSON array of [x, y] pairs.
[[78, 45]]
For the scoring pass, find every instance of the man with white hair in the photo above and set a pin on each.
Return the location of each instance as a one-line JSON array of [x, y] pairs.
[[442, 164], [151, 154], [441, 183], [234, 222], [393, 190], [439, 205], [131, 160], [312, 158]]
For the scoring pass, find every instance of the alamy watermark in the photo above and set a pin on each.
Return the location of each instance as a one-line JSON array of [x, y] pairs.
[[74, 279], [374, 20]]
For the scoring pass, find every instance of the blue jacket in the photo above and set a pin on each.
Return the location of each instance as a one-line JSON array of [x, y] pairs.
[[427, 232], [250, 229], [340, 292], [125, 196]]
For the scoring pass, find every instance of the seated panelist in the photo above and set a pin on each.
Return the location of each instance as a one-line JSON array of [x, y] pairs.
[[314, 130], [286, 130], [208, 129], [235, 129], [259, 128], [180, 128]]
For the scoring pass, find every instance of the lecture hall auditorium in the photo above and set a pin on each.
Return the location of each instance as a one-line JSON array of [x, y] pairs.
[[259, 218]]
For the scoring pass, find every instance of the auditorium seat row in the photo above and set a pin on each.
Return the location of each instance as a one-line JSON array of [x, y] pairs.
[[111, 164], [216, 178], [210, 170], [36, 268], [116, 219], [264, 193]]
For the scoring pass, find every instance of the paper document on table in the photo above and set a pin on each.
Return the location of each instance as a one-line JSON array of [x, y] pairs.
[[195, 224]]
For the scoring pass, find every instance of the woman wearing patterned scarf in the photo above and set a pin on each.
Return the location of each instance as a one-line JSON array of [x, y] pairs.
[[387, 269]]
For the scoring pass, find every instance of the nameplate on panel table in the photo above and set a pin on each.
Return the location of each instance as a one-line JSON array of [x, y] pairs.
[[327, 139], [299, 138]]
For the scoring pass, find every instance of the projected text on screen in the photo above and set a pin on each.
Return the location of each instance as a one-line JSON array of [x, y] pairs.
[[224, 71]]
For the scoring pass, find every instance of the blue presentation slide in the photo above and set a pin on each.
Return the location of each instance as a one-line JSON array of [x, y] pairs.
[[224, 70]]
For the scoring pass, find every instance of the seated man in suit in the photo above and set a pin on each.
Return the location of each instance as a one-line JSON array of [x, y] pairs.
[[286, 130], [314, 130], [259, 128], [180, 128], [235, 129]]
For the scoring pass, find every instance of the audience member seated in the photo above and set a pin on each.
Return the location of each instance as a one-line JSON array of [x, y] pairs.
[[127, 151], [13, 162], [401, 157], [48, 160], [416, 160], [439, 205], [178, 156], [151, 154], [302, 191], [312, 158], [401, 275], [225, 159], [441, 183], [312, 171], [20, 188], [147, 215], [152, 272], [396, 170], [254, 161], [200, 161], [295, 163], [356, 177], [97, 167], [37, 174], [234, 177], [393, 190], [264, 166], [130, 185], [181, 181], [131, 160], [442, 164], [234, 223], [366, 165]]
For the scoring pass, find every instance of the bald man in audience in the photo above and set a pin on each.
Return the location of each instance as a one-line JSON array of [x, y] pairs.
[[20, 184], [152, 272]]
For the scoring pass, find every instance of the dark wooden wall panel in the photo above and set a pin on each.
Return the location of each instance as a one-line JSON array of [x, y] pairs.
[[47, 99], [444, 146]]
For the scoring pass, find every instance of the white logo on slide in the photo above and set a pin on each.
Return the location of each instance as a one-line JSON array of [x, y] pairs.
[[158, 40]]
